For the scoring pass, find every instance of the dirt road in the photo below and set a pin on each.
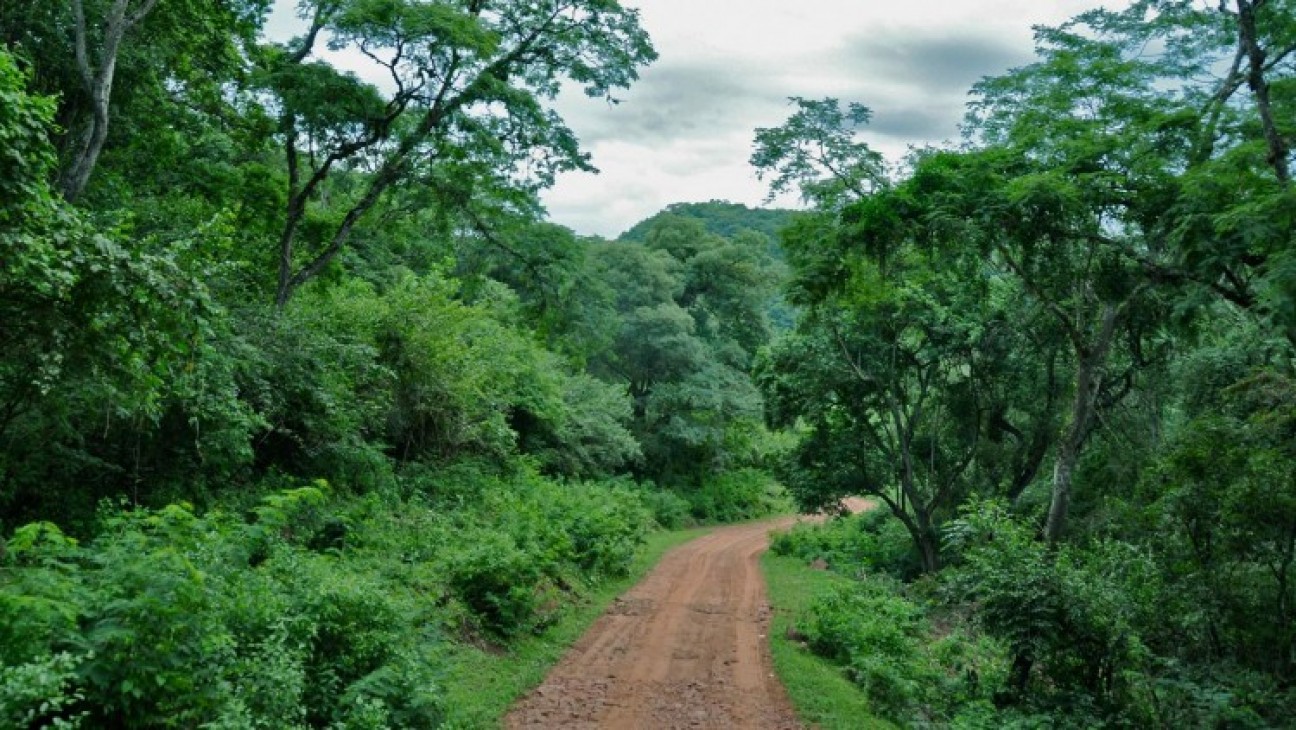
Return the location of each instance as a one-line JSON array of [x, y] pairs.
[[686, 648]]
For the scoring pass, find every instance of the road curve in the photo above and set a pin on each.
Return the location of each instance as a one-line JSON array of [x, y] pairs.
[[686, 648]]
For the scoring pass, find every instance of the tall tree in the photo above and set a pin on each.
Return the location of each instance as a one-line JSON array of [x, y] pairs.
[[98, 55], [816, 153], [467, 84], [96, 62]]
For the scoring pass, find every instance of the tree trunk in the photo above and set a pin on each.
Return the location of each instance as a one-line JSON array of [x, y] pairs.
[[98, 83], [89, 144], [1061, 501], [918, 525], [1256, 56], [929, 549], [1019, 675], [1018, 680], [1090, 362]]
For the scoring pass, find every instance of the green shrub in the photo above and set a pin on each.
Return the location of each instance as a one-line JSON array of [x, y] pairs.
[[499, 581], [743, 494], [869, 541], [170, 619], [886, 642], [160, 648], [878, 637], [607, 527], [839, 542], [454, 485], [405, 692], [972, 668], [669, 510], [314, 374], [42, 693], [1072, 617], [535, 537], [269, 677], [1223, 696], [313, 610]]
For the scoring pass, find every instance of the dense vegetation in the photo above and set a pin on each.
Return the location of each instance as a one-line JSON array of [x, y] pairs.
[[1060, 359], [302, 401], [302, 398]]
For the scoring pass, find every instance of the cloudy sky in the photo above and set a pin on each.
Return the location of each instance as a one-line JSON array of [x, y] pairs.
[[726, 67]]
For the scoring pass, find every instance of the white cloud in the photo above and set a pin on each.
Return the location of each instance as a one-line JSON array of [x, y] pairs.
[[912, 62], [684, 131]]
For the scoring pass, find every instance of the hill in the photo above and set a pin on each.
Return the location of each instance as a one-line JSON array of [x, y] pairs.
[[720, 217]]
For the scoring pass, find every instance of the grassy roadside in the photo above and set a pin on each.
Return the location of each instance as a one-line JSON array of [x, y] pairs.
[[823, 697], [483, 684]]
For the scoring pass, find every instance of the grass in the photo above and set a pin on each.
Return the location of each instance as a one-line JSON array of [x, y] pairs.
[[482, 685], [821, 694]]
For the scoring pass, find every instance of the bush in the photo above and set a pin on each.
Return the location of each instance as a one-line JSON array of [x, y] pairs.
[[669, 510], [839, 543], [181, 619], [888, 644], [1223, 696], [1072, 616], [404, 693], [535, 537], [878, 637], [500, 582], [607, 527], [744, 494], [313, 610], [869, 541], [42, 693]]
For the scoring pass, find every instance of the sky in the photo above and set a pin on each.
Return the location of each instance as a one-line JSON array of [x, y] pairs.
[[683, 132]]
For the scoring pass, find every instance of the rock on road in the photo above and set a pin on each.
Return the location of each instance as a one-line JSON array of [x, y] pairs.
[[686, 648]]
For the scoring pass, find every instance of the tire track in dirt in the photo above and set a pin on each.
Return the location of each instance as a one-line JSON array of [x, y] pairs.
[[686, 648]]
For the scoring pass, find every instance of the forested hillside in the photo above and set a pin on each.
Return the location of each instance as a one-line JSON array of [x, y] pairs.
[[308, 412], [721, 219]]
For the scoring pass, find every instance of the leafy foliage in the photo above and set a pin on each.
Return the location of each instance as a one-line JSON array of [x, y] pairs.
[[873, 541], [299, 390], [1056, 354], [720, 218], [307, 613], [229, 499], [743, 494]]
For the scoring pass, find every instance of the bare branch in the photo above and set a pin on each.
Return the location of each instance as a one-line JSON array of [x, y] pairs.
[[138, 17]]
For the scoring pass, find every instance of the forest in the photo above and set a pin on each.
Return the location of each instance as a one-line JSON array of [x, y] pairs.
[[310, 417]]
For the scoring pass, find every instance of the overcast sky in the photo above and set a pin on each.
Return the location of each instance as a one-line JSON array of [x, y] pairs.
[[684, 131]]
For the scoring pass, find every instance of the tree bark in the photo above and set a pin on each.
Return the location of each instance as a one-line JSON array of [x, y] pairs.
[[98, 84], [1256, 56], [1088, 381], [929, 549], [919, 527], [1019, 675]]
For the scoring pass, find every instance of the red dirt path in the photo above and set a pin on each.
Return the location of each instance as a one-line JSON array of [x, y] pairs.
[[686, 648]]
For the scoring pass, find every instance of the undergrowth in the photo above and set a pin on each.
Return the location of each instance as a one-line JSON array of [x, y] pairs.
[[309, 607]]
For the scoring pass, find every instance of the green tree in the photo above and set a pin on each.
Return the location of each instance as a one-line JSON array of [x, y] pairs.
[[36, 271], [102, 58], [816, 153], [469, 81], [902, 377], [898, 371], [690, 312], [721, 218]]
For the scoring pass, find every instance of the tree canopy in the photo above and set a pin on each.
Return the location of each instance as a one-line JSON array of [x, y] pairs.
[[1011, 344], [307, 408]]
